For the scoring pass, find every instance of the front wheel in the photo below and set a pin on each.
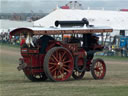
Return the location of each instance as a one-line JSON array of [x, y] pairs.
[[98, 69]]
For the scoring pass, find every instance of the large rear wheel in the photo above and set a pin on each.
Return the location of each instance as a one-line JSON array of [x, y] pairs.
[[58, 64], [98, 69]]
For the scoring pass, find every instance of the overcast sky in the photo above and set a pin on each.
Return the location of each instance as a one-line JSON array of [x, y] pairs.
[[14, 6]]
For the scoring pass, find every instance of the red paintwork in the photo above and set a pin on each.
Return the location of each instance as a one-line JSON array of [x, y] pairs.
[[51, 44], [65, 7], [33, 59], [81, 53], [70, 46], [80, 61], [22, 42]]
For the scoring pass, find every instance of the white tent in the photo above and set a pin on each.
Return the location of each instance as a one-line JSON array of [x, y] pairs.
[[116, 19], [8, 25]]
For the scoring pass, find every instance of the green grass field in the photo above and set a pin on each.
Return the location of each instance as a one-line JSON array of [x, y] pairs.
[[14, 83]]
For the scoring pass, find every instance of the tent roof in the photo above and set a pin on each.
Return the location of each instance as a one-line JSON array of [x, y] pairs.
[[114, 19]]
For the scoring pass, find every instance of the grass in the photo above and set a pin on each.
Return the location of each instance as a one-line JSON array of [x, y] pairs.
[[14, 83], [9, 45], [113, 58]]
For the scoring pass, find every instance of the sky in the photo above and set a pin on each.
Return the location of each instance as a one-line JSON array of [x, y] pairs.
[[45, 6]]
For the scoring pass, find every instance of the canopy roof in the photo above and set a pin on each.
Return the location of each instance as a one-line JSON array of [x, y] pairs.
[[54, 31]]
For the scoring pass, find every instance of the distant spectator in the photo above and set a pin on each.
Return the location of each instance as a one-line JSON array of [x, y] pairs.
[[23, 39]]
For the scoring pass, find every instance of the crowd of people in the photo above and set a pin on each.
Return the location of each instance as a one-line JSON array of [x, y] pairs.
[[5, 39]]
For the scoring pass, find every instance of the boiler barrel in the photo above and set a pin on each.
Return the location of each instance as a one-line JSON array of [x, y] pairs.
[[72, 23]]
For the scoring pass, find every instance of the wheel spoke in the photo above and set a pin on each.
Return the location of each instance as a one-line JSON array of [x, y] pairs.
[[65, 65], [98, 64], [51, 67], [52, 60], [96, 69], [56, 54], [101, 72], [51, 63], [53, 70], [67, 61], [62, 73], [66, 70], [63, 54], [59, 73], [64, 59], [60, 57], [55, 58], [62, 70], [101, 69], [55, 74]]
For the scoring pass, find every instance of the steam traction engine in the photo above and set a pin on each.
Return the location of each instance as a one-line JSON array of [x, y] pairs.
[[61, 52]]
